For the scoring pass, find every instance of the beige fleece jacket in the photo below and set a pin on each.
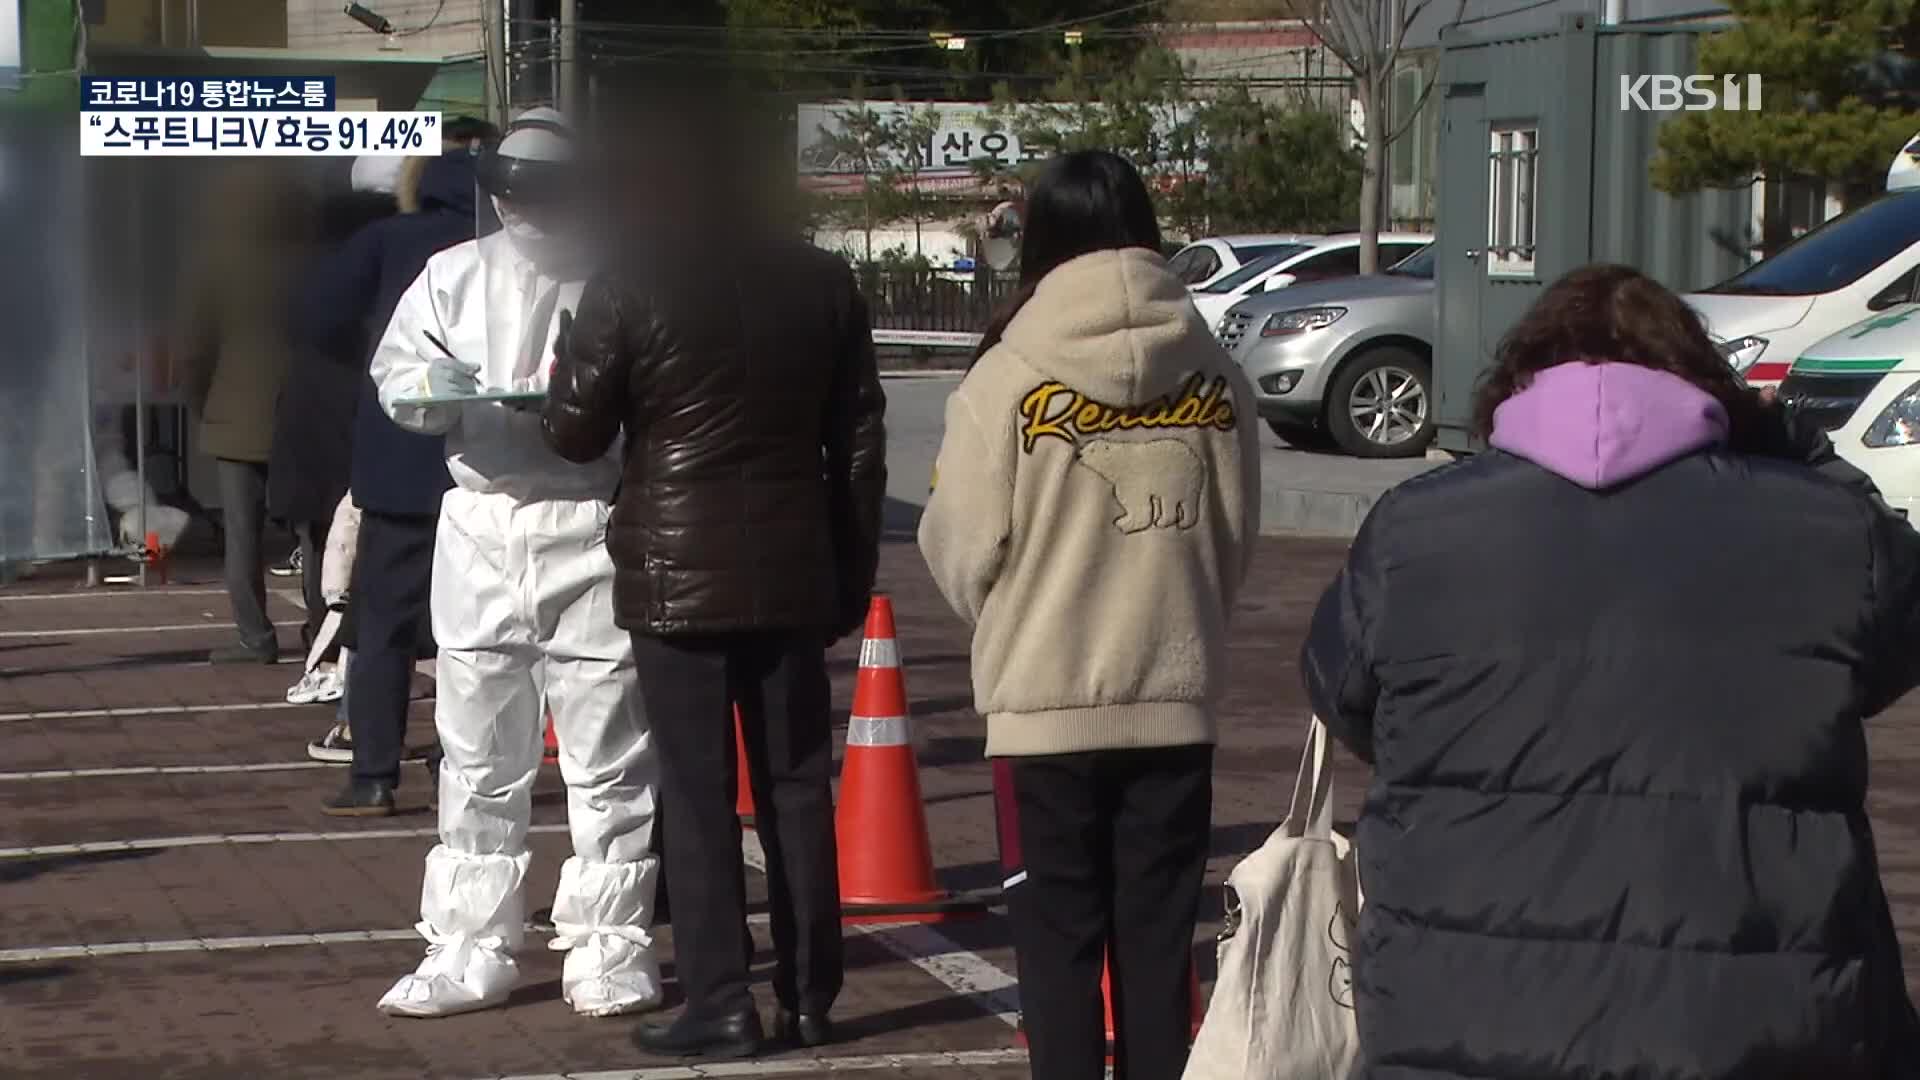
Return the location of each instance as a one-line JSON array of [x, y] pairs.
[[1093, 512]]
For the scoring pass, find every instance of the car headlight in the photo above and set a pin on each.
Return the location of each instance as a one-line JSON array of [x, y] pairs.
[[1898, 424], [1740, 353], [1300, 320]]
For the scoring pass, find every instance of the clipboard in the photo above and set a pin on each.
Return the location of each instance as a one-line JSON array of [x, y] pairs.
[[479, 398]]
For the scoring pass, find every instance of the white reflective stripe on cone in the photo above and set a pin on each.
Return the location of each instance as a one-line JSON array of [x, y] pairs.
[[879, 653], [877, 731]]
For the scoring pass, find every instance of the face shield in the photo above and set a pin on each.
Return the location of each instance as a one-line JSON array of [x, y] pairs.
[[533, 266], [529, 180]]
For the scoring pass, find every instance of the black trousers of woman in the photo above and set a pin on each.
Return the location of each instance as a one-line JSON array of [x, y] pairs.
[[1114, 847]]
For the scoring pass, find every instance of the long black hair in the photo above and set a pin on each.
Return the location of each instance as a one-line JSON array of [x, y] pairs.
[[1082, 202]]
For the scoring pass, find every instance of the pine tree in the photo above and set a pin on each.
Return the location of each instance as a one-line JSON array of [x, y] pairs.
[[1831, 105]]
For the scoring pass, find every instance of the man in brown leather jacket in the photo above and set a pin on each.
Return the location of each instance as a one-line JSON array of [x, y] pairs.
[[739, 365]]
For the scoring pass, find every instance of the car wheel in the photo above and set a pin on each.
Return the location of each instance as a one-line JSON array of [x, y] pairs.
[[1381, 404], [1301, 436]]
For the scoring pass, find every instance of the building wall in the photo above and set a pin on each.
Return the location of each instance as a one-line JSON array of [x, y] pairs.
[[1281, 59], [180, 24], [320, 26]]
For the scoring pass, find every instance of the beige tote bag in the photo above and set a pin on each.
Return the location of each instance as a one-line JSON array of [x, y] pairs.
[[1282, 1007]]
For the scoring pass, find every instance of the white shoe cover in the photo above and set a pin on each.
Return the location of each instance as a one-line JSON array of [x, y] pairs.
[[459, 975], [601, 915], [473, 917], [610, 974]]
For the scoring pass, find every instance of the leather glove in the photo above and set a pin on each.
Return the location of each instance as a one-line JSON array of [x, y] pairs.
[[450, 377]]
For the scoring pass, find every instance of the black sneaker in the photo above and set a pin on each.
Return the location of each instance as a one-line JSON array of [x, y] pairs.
[[291, 568], [334, 748], [361, 798]]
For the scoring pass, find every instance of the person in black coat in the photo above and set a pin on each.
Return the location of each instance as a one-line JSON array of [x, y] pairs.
[[313, 420], [1611, 676], [397, 478]]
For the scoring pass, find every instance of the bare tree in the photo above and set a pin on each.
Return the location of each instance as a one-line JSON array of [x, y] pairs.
[[1367, 36]]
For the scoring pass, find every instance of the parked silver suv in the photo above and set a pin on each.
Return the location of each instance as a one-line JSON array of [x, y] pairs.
[[1347, 362]]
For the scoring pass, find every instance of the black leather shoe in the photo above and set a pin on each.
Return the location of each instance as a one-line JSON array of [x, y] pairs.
[[805, 1030], [361, 798], [736, 1036]]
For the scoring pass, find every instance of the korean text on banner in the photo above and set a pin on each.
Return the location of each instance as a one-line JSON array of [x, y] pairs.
[[259, 134]]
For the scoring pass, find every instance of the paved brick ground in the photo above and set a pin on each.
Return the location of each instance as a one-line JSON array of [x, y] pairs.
[[307, 1010]]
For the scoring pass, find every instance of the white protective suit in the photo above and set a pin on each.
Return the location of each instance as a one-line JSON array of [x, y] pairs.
[[522, 608]]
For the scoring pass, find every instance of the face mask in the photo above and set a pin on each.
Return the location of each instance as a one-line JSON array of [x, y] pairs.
[[530, 241]]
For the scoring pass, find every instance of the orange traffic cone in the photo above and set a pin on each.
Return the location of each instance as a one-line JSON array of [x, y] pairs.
[[886, 859], [552, 752], [743, 786], [156, 556]]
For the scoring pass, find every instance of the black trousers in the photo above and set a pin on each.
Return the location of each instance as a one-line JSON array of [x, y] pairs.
[[779, 682], [1114, 846], [392, 584], [313, 554]]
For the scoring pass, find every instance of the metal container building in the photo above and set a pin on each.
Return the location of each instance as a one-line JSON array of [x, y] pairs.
[[1543, 168]]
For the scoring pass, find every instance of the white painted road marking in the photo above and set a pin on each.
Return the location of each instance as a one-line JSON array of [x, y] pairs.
[[226, 944], [164, 770], [117, 712], [164, 843], [87, 631], [118, 594], [951, 964], [185, 945], [818, 1066]]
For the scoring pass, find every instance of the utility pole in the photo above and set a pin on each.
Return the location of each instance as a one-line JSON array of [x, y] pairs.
[[493, 31], [567, 89]]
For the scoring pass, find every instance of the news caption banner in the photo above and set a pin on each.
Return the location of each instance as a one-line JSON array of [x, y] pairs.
[[267, 116]]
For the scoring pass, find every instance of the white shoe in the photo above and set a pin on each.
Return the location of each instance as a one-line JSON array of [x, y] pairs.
[[319, 685], [458, 975], [609, 975], [333, 686]]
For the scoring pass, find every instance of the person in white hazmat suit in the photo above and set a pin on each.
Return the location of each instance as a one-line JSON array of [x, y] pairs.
[[522, 609]]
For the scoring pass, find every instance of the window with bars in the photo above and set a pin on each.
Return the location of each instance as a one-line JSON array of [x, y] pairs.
[[1512, 184]]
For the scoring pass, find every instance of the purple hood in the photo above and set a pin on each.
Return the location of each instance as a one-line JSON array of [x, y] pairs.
[[1600, 425]]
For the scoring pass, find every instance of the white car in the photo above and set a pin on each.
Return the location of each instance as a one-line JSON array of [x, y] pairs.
[[1317, 260], [1861, 262], [1206, 261], [1882, 435]]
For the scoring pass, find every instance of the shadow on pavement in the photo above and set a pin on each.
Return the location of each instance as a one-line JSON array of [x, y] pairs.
[[14, 871], [15, 974], [939, 750], [124, 662]]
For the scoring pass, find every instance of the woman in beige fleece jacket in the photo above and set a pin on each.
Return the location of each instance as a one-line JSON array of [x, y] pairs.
[[1094, 508]]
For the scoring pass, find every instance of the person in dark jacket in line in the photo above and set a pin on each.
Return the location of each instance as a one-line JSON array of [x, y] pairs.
[[312, 451], [398, 478], [1617, 825], [745, 536]]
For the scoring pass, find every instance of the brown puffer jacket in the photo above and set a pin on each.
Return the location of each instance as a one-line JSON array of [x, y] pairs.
[[756, 448]]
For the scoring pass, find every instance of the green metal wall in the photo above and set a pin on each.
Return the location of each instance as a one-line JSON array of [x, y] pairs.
[[1595, 202]]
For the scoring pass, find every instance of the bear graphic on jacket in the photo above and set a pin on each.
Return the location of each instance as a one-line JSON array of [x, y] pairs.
[[1157, 482]]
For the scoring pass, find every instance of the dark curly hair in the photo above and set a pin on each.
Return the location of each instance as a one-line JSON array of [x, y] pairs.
[[1609, 313]]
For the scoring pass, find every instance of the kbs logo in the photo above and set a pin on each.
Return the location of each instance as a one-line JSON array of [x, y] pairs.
[[1672, 93]]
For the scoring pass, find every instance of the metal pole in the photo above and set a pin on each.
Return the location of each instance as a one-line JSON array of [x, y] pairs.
[[493, 33], [1613, 13], [567, 90], [553, 60]]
